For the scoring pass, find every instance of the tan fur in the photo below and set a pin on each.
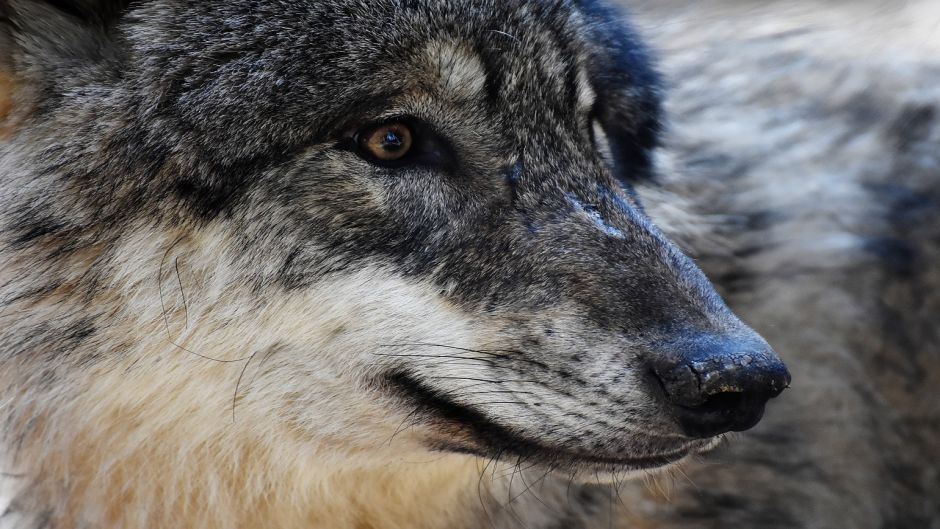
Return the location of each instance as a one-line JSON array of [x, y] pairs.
[[237, 484], [157, 409], [457, 71], [7, 87], [150, 438]]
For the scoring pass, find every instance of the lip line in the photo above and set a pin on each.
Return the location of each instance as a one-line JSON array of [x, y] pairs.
[[491, 436], [571, 460]]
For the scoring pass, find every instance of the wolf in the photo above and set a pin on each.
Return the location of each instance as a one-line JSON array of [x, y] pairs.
[[344, 264], [393, 264]]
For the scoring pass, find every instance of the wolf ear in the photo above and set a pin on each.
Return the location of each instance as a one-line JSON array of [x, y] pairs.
[[45, 45], [628, 89], [37, 35], [98, 12]]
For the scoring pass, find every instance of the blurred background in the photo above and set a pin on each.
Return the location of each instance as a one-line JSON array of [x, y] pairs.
[[804, 145]]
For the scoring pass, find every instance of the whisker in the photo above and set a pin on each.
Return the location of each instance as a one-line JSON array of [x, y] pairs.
[[509, 506], [528, 487], [618, 482], [179, 280], [521, 355], [480, 492], [503, 33], [487, 381], [687, 478], [499, 391], [401, 425], [448, 357], [512, 476], [166, 318], [237, 383], [610, 510], [568, 489]]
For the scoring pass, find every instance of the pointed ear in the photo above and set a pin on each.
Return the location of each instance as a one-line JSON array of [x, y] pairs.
[[94, 12], [628, 89], [6, 70], [100, 13], [41, 36], [47, 45]]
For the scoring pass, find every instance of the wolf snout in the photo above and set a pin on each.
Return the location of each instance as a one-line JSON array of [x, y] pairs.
[[715, 385]]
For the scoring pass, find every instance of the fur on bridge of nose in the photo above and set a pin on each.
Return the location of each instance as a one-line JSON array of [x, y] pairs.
[[592, 213]]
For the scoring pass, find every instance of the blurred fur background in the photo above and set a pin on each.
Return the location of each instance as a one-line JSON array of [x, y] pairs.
[[805, 140]]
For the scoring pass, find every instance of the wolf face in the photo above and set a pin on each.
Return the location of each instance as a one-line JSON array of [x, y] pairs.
[[356, 228]]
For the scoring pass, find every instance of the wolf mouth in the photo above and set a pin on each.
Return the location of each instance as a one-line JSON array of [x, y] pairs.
[[482, 436]]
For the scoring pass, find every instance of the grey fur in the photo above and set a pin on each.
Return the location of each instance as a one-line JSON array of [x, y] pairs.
[[187, 115]]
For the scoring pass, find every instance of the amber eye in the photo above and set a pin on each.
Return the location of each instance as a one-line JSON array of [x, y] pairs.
[[389, 142]]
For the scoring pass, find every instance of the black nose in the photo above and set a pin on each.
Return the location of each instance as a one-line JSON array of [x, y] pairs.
[[717, 384]]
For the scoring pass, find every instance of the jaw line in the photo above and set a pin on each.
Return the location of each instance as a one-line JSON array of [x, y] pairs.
[[574, 464], [486, 435], [613, 476]]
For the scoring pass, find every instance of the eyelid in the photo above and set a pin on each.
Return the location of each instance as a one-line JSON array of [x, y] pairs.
[[430, 147], [413, 123]]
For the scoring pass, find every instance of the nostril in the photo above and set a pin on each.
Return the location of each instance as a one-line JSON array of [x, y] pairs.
[[683, 389], [681, 385], [723, 402], [721, 413]]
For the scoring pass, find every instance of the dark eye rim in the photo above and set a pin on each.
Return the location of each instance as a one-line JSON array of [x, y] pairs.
[[429, 148]]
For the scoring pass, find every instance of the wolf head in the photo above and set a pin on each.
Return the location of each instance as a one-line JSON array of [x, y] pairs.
[[406, 224]]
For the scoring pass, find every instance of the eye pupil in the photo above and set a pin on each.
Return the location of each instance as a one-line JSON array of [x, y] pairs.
[[387, 143], [392, 141]]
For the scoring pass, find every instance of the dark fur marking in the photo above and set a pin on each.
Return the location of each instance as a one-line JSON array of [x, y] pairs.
[[492, 436], [99, 12], [913, 126], [34, 229], [900, 258]]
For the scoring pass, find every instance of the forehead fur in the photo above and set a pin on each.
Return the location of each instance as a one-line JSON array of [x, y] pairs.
[[457, 70], [249, 80]]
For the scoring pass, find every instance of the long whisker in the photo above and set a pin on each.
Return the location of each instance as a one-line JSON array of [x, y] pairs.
[[179, 279], [238, 383], [497, 391], [487, 381], [448, 357], [166, 318], [498, 353], [401, 425], [486, 513]]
